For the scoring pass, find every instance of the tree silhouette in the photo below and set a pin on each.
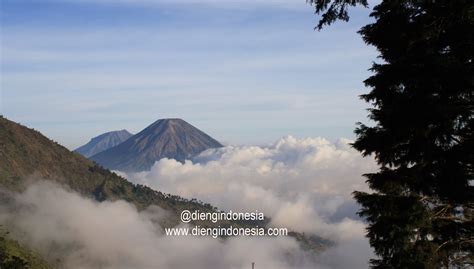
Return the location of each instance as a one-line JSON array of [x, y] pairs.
[[420, 211]]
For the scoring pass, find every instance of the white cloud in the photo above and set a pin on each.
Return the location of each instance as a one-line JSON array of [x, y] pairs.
[[302, 184], [80, 233], [252, 67]]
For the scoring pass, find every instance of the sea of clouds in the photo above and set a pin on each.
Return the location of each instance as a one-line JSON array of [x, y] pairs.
[[302, 184]]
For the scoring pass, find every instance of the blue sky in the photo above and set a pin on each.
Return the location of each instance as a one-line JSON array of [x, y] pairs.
[[246, 72]]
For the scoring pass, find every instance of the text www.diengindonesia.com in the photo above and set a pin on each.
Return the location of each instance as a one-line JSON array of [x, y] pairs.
[[216, 232]]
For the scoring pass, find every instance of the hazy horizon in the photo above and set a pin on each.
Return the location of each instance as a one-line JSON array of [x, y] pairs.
[[246, 72]]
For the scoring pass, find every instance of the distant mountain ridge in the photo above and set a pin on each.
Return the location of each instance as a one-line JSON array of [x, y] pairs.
[[165, 138], [103, 142]]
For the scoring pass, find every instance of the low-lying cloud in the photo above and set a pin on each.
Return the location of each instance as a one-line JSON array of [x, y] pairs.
[[75, 232], [302, 184]]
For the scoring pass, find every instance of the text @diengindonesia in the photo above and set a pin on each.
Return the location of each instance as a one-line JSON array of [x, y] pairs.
[[215, 232]]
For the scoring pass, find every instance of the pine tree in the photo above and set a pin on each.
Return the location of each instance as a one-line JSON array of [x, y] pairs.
[[420, 213]]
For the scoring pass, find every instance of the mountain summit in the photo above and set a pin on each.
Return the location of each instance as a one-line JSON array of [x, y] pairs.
[[103, 142], [165, 138]]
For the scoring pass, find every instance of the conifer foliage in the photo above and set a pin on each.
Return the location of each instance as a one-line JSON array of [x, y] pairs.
[[420, 213]]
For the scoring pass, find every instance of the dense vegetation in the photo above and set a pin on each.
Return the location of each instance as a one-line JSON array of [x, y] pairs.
[[420, 214], [14, 256]]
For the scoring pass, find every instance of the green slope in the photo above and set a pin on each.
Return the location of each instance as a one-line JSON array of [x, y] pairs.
[[26, 155], [15, 256]]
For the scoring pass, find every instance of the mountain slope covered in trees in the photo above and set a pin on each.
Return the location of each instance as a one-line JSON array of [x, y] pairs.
[[26, 155]]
